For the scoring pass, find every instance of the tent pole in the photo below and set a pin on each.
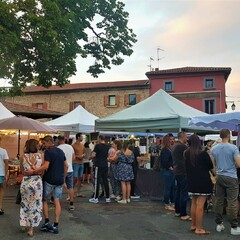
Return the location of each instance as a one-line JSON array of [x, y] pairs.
[[19, 139]]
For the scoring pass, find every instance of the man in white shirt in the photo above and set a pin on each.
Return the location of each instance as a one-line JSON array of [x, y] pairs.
[[3, 174], [69, 154]]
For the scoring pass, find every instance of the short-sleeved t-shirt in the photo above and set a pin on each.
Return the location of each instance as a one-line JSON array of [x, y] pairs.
[[3, 157], [54, 175], [224, 155], [68, 151], [101, 150]]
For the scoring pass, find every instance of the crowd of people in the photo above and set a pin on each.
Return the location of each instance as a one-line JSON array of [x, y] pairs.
[[187, 170], [185, 165]]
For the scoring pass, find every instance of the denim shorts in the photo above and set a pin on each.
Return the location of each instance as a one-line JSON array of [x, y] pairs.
[[48, 189], [1, 179], [78, 170], [69, 180]]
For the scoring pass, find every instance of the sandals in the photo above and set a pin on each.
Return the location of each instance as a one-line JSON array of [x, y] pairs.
[[1, 211], [81, 196], [186, 218], [201, 232], [30, 232], [192, 228]]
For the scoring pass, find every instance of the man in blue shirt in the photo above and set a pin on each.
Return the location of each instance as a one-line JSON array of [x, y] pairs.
[[55, 166], [226, 157]]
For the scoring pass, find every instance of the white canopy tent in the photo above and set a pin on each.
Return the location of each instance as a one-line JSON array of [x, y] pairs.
[[158, 113], [5, 113], [78, 120]]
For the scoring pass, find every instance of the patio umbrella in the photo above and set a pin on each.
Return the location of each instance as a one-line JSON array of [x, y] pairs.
[[230, 121], [23, 123]]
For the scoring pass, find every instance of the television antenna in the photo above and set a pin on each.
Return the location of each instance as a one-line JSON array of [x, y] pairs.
[[158, 58], [150, 66]]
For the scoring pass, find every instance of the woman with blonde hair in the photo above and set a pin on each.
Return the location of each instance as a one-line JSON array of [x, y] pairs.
[[31, 187]]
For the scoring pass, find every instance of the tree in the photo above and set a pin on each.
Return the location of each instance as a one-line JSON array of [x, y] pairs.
[[40, 39]]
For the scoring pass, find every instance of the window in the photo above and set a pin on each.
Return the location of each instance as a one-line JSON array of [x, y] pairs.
[[39, 105], [209, 83], [209, 106], [132, 99], [111, 100], [168, 86], [76, 104], [73, 105]]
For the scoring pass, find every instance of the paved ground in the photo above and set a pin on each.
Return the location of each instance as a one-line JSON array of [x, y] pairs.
[[140, 220]]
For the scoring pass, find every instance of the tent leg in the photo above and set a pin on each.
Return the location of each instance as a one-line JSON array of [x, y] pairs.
[[19, 139]]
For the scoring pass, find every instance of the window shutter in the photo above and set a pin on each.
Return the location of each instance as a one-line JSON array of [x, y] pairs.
[[71, 104], [82, 104], [138, 98], [117, 100], [105, 101], [126, 100]]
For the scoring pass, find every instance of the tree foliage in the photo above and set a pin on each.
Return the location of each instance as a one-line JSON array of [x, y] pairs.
[[40, 39]]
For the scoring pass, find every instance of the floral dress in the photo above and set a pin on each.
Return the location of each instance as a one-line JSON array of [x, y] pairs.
[[31, 192], [124, 167]]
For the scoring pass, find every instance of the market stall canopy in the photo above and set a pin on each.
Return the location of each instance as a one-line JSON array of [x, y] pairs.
[[78, 120], [4, 112], [218, 121], [23, 123], [158, 113]]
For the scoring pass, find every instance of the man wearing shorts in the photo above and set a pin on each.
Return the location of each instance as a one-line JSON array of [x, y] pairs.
[[69, 154], [55, 166], [78, 163], [3, 174]]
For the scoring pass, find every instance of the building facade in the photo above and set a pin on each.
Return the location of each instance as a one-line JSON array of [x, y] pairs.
[[100, 99], [200, 87]]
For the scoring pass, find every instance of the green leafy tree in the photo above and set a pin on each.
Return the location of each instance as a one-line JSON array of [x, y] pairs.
[[41, 39]]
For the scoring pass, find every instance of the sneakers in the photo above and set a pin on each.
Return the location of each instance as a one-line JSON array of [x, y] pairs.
[[68, 198], [235, 231], [1, 211], [108, 200], [123, 201], [128, 200], [93, 200], [54, 230], [46, 227], [112, 196], [118, 198], [71, 207], [134, 196], [220, 227]]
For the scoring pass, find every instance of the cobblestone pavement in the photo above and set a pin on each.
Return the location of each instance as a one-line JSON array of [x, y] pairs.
[[139, 220]]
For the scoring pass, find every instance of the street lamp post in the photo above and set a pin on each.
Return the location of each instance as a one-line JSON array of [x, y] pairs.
[[233, 106]]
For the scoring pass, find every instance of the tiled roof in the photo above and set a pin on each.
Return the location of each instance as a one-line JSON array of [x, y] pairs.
[[32, 112], [95, 85], [225, 70]]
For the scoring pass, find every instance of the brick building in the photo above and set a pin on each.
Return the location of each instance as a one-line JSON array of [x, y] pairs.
[[200, 87], [100, 99]]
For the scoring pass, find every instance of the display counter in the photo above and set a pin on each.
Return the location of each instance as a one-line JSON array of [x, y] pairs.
[[149, 183]]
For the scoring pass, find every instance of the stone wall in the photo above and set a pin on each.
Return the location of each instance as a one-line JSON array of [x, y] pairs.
[[94, 100]]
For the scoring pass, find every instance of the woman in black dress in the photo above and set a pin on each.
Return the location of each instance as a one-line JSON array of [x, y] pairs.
[[198, 165]]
